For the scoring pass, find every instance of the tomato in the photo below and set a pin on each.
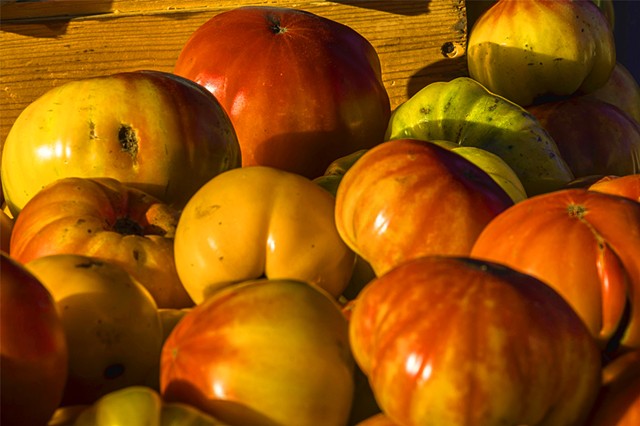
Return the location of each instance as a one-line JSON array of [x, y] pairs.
[[457, 341], [624, 186], [408, 198], [523, 50], [262, 352], [586, 245], [157, 132], [300, 89], [141, 406], [259, 221], [594, 137], [33, 369], [110, 321], [465, 112], [104, 218]]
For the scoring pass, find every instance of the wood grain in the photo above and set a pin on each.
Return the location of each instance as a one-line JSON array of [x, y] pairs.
[[45, 44]]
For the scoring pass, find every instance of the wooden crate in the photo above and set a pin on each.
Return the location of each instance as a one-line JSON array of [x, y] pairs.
[[47, 43]]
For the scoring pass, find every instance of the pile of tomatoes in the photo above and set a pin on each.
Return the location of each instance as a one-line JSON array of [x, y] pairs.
[[275, 246]]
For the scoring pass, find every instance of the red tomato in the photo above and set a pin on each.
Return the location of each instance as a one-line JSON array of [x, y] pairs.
[[33, 369], [301, 90], [458, 341]]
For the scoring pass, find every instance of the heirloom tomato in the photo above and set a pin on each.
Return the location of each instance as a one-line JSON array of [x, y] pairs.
[[463, 111], [300, 89], [594, 137], [141, 406], [460, 342], [407, 198], [586, 245], [262, 353], [625, 186], [621, 90], [524, 50], [110, 321], [155, 131], [107, 219], [259, 221]]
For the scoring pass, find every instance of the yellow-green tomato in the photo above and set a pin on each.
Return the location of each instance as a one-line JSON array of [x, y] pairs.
[[526, 49], [260, 221], [141, 406], [111, 323], [493, 165], [466, 112]]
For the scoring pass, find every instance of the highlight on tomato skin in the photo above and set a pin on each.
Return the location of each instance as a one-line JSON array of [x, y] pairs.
[[435, 321], [301, 91], [262, 352]]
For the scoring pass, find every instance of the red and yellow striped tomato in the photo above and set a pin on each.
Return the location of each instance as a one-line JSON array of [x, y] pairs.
[[103, 218], [155, 131]]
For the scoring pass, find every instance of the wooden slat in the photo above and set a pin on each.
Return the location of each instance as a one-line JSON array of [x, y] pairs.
[[38, 52]]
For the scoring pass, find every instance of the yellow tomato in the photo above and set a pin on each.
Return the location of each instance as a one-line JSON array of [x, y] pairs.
[[110, 320], [259, 221]]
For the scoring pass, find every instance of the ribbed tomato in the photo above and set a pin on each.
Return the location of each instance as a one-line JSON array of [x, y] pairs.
[[586, 245]]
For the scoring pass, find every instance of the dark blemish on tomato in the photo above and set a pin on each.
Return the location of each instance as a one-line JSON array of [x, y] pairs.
[[113, 371], [127, 226], [128, 140]]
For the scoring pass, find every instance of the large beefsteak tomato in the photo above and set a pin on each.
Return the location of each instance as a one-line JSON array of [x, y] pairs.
[[526, 49], [460, 342], [301, 89], [408, 198], [262, 353]]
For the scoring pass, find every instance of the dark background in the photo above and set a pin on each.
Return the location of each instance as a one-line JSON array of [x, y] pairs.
[[627, 34]]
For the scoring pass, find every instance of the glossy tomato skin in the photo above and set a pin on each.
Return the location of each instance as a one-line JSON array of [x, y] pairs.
[[408, 198], [156, 131], [33, 370], [594, 137], [584, 244], [262, 352], [260, 221], [104, 218], [301, 90], [457, 341]]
